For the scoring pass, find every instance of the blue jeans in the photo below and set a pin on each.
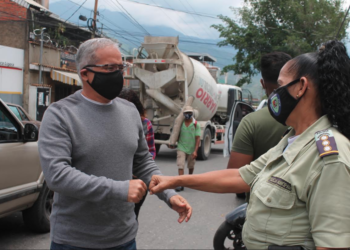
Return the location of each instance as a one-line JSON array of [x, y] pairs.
[[131, 245]]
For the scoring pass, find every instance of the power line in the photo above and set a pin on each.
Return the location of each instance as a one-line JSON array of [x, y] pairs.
[[199, 18], [76, 11], [179, 29], [117, 25], [65, 12], [131, 41], [122, 12], [133, 18], [104, 17], [183, 20], [161, 7]]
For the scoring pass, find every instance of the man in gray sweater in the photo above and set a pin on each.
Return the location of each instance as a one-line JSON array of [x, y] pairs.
[[91, 143]]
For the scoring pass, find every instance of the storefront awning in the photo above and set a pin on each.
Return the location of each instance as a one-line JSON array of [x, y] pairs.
[[66, 77]]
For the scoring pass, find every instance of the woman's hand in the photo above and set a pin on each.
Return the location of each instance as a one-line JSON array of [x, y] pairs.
[[159, 183], [222, 181]]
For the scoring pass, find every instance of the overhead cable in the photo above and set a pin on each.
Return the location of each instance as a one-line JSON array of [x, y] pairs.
[[184, 20], [198, 18], [162, 7], [76, 11], [133, 18]]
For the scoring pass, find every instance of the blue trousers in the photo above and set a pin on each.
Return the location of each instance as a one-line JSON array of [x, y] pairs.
[[131, 245]]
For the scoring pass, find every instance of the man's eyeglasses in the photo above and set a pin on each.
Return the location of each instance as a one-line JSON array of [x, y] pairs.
[[108, 67]]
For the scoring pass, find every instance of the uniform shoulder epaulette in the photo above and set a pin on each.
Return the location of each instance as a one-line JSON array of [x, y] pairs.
[[325, 142]]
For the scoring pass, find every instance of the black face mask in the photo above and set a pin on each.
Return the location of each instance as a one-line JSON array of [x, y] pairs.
[[281, 103], [188, 116], [109, 85]]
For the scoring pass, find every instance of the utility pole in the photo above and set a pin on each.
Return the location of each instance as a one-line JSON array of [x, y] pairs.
[[94, 22], [41, 53]]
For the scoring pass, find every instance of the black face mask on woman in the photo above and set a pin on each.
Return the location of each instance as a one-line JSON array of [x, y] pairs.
[[107, 84], [281, 103]]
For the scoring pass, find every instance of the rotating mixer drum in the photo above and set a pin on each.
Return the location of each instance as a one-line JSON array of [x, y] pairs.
[[168, 76]]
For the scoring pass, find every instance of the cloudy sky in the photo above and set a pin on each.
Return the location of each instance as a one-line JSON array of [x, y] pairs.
[[188, 24]]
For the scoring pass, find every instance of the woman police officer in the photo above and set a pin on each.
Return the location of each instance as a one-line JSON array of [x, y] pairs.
[[300, 193]]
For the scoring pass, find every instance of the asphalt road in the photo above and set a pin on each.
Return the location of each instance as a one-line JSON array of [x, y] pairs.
[[158, 227]]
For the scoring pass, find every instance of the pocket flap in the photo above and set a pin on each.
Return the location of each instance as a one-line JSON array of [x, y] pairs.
[[275, 197]]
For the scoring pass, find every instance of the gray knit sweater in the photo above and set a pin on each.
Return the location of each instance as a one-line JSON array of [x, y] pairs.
[[88, 154]]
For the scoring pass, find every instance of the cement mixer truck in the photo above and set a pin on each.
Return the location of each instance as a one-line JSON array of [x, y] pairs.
[[169, 80]]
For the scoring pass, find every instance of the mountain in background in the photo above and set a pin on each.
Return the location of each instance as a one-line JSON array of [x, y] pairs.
[[130, 35]]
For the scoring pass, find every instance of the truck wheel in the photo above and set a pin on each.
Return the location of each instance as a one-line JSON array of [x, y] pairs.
[[157, 148], [205, 148], [37, 217]]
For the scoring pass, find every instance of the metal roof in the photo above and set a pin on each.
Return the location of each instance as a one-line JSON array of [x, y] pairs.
[[27, 3], [202, 57]]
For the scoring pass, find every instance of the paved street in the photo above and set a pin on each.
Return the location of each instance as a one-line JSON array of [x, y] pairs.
[[159, 228]]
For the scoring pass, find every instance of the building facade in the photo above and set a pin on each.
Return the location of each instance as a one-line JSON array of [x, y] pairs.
[[20, 23]]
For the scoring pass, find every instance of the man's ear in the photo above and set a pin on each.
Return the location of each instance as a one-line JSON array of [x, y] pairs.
[[84, 75], [262, 83]]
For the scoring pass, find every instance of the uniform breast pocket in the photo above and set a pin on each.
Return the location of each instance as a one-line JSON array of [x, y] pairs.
[[272, 209]]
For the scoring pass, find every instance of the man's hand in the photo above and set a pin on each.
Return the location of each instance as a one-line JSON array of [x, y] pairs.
[[194, 155], [159, 183], [137, 189], [180, 205]]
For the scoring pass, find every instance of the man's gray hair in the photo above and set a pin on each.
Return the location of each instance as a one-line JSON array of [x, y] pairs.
[[87, 51]]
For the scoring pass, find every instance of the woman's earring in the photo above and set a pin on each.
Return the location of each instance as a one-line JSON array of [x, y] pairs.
[[297, 96]]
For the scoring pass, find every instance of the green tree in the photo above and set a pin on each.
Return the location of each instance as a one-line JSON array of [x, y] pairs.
[[291, 26]]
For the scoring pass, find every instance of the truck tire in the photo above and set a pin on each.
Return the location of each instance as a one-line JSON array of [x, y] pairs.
[[37, 217], [205, 148], [157, 148]]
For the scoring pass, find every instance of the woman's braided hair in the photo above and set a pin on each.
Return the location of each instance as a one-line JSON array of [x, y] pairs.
[[329, 70], [334, 84]]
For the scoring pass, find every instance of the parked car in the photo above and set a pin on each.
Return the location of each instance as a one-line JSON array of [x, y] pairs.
[[22, 185], [22, 115]]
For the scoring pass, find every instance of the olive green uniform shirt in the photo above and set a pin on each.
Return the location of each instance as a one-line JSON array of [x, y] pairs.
[[257, 133], [297, 197], [187, 138]]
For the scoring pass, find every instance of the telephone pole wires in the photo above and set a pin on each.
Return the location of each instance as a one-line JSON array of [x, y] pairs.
[[94, 22]]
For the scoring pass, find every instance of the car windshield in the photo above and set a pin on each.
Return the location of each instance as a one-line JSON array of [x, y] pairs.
[[15, 111], [23, 115]]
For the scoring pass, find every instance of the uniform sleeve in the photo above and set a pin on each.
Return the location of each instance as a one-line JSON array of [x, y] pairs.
[[329, 206], [243, 139], [249, 172]]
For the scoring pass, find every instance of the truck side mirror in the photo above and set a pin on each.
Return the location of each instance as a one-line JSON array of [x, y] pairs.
[[31, 132]]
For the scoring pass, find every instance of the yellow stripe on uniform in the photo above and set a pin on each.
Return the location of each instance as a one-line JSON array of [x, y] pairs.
[[328, 152]]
